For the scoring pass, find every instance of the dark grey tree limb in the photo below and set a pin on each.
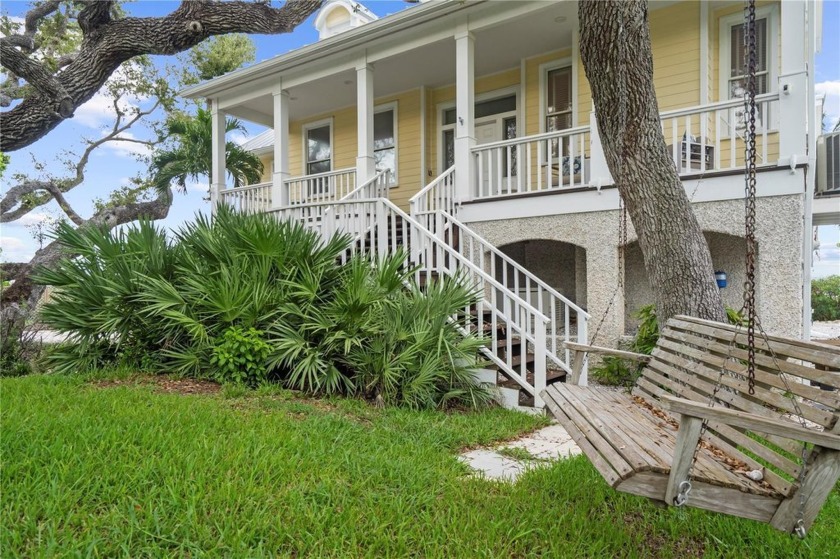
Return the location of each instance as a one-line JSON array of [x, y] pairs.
[[22, 288], [19, 199], [108, 43]]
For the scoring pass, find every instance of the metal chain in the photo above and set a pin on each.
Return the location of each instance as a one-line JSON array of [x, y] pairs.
[[749, 190]]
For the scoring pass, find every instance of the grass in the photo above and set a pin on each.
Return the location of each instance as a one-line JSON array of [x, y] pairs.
[[125, 471]]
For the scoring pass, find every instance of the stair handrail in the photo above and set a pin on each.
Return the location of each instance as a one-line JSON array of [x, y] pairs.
[[419, 202], [538, 339], [446, 220], [379, 182], [380, 216], [486, 245]]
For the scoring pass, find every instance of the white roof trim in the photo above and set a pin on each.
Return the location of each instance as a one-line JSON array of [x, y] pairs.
[[404, 19]]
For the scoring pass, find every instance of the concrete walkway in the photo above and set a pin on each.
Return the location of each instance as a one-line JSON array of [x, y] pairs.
[[508, 461]]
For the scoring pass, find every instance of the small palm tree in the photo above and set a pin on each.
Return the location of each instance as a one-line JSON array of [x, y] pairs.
[[192, 155]]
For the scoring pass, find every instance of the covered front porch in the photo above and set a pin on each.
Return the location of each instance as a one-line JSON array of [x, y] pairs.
[[495, 90]]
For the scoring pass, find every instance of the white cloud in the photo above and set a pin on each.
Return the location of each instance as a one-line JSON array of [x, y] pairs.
[[238, 138], [127, 149], [198, 187], [99, 111], [831, 90], [15, 250], [32, 218]]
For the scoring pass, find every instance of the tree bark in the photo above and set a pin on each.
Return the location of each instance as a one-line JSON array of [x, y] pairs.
[[617, 57], [24, 289], [107, 43]]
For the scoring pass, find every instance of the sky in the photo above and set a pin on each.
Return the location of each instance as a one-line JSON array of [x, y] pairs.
[[115, 164]]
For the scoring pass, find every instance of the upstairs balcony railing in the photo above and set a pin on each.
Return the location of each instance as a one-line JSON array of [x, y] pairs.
[[711, 137], [326, 187], [538, 163], [700, 139], [254, 198]]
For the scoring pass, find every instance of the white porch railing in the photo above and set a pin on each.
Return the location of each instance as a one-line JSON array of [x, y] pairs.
[[711, 137], [438, 195], [538, 163], [567, 321], [254, 198], [321, 187], [377, 187], [375, 225]]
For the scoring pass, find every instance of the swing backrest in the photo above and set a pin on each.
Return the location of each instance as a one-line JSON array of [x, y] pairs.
[[687, 362]]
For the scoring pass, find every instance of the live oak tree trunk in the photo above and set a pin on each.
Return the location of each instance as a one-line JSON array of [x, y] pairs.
[[616, 52]]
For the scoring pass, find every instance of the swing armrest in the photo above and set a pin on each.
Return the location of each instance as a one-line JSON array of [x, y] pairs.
[[751, 421], [607, 351]]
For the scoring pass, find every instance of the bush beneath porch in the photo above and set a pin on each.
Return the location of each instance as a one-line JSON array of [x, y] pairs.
[[251, 299]]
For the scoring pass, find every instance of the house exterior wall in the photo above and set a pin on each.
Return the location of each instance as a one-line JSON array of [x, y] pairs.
[[780, 271], [678, 68]]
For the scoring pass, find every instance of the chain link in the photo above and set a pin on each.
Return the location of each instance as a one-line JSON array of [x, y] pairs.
[[749, 189]]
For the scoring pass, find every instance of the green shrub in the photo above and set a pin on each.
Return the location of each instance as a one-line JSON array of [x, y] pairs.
[[240, 357], [825, 298], [614, 371], [245, 298]]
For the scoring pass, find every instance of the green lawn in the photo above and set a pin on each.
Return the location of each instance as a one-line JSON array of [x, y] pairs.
[[125, 471]]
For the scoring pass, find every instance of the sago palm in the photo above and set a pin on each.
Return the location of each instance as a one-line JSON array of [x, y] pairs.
[[191, 158]]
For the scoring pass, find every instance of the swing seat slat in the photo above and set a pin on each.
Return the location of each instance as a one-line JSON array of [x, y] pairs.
[[643, 442]]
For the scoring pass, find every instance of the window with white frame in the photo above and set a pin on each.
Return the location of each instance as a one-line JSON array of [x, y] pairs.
[[737, 79], [318, 151], [318, 148], [385, 141], [558, 99], [733, 61]]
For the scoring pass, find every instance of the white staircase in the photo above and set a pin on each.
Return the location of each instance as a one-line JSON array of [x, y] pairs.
[[524, 342]]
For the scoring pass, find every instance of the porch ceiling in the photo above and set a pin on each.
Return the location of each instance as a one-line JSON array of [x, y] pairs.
[[497, 48]]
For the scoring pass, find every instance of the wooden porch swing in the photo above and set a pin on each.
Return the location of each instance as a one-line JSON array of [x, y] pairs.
[[719, 419]]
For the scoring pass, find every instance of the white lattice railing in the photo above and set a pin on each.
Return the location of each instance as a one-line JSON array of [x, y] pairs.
[[567, 321], [438, 195], [377, 226], [711, 137], [321, 187], [254, 198], [538, 163]]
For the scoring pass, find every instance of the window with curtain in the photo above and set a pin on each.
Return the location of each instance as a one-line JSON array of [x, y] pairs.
[[558, 105], [385, 143], [738, 59]]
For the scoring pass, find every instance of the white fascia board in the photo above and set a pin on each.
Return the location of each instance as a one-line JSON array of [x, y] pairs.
[[339, 43], [778, 182]]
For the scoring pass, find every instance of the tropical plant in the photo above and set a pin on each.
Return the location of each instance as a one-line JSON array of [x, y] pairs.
[[250, 298], [191, 156]]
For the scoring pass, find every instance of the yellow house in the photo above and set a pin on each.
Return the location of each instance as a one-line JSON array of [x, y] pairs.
[[477, 115]]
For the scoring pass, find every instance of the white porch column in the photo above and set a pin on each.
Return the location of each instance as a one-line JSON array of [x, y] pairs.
[[465, 111], [365, 162], [794, 93], [217, 170], [279, 193], [599, 172]]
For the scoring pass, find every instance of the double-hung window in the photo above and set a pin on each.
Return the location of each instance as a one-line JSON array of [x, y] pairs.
[[734, 58], [385, 141], [318, 137], [558, 106]]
